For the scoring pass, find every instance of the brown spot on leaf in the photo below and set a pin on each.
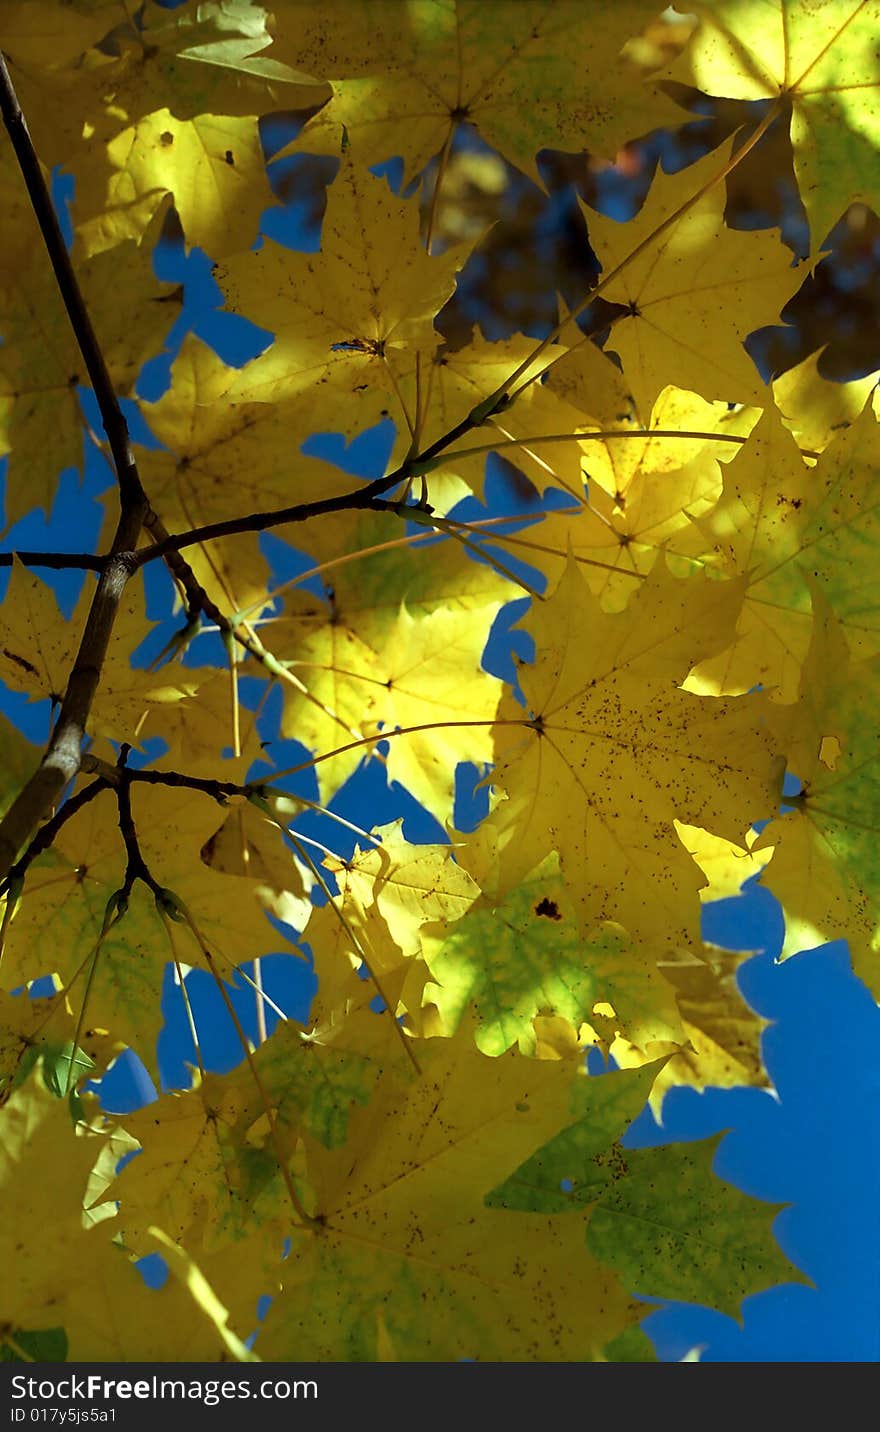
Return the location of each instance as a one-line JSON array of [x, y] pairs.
[[21, 661], [548, 908]]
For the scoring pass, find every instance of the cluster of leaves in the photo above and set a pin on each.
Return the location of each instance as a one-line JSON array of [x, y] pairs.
[[424, 1170]]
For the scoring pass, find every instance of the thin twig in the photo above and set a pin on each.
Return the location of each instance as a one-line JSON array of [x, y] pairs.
[[47, 834], [359, 497], [57, 561]]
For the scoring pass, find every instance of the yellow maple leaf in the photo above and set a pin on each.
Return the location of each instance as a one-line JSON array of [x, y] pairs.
[[100, 106], [44, 1245], [184, 1321], [249, 843], [460, 379], [404, 1233], [435, 679], [529, 74], [58, 921], [613, 752], [410, 885], [212, 165], [643, 494], [37, 650], [379, 651], [223, 458], [197, 1174], [35, 645], [723, 1046], [353, 317], [823, 869], [726, 865], [782, 522], [815, 408], [676, 285], [47, 1027], [65, 1270], [821, 60], [525, 956], [41, 365], [345, 943]]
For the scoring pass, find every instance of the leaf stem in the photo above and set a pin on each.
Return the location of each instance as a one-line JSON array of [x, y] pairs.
[[385, 736]]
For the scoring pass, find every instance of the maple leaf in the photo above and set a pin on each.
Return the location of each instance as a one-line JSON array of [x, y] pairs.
[[45, 1029], [614, 752], [346, 944], [720, 1044], [820, 61], [505, 71], [815, 408], [527, 956], [459, 379], [248, 843], [399, 643], [41, 366], [311, 1085], [219, 202], [726, 865], [675, 286], [823, 867], [183, 1321], [410, 885], [399, 1179], [783, 522], [107, 94], [643, 496], [444, 1276], [35, 647], [37, 650], [86, 1278], [51, 33], [18, 758], [435, 677], [196, 1173], [712, 1247], [354, 316], [62, 923], [723, 1033], [217, 456], [41, 1213]]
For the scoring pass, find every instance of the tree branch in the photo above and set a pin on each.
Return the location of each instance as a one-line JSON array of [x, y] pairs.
[[58, 561], [263, 521], [45, 838], [62, 758], [116, 776], [359, 497], [136, 867], [63, 755], [115, 425]]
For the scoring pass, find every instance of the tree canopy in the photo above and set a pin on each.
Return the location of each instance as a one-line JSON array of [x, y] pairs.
[[422, 1168]]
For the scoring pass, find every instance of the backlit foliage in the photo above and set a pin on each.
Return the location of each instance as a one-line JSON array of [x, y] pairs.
[[422, 1169]]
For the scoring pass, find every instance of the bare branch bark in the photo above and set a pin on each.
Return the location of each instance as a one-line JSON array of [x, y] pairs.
[[62, 758]]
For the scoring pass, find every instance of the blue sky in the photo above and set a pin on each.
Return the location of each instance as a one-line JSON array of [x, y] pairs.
[[814, 1145]]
